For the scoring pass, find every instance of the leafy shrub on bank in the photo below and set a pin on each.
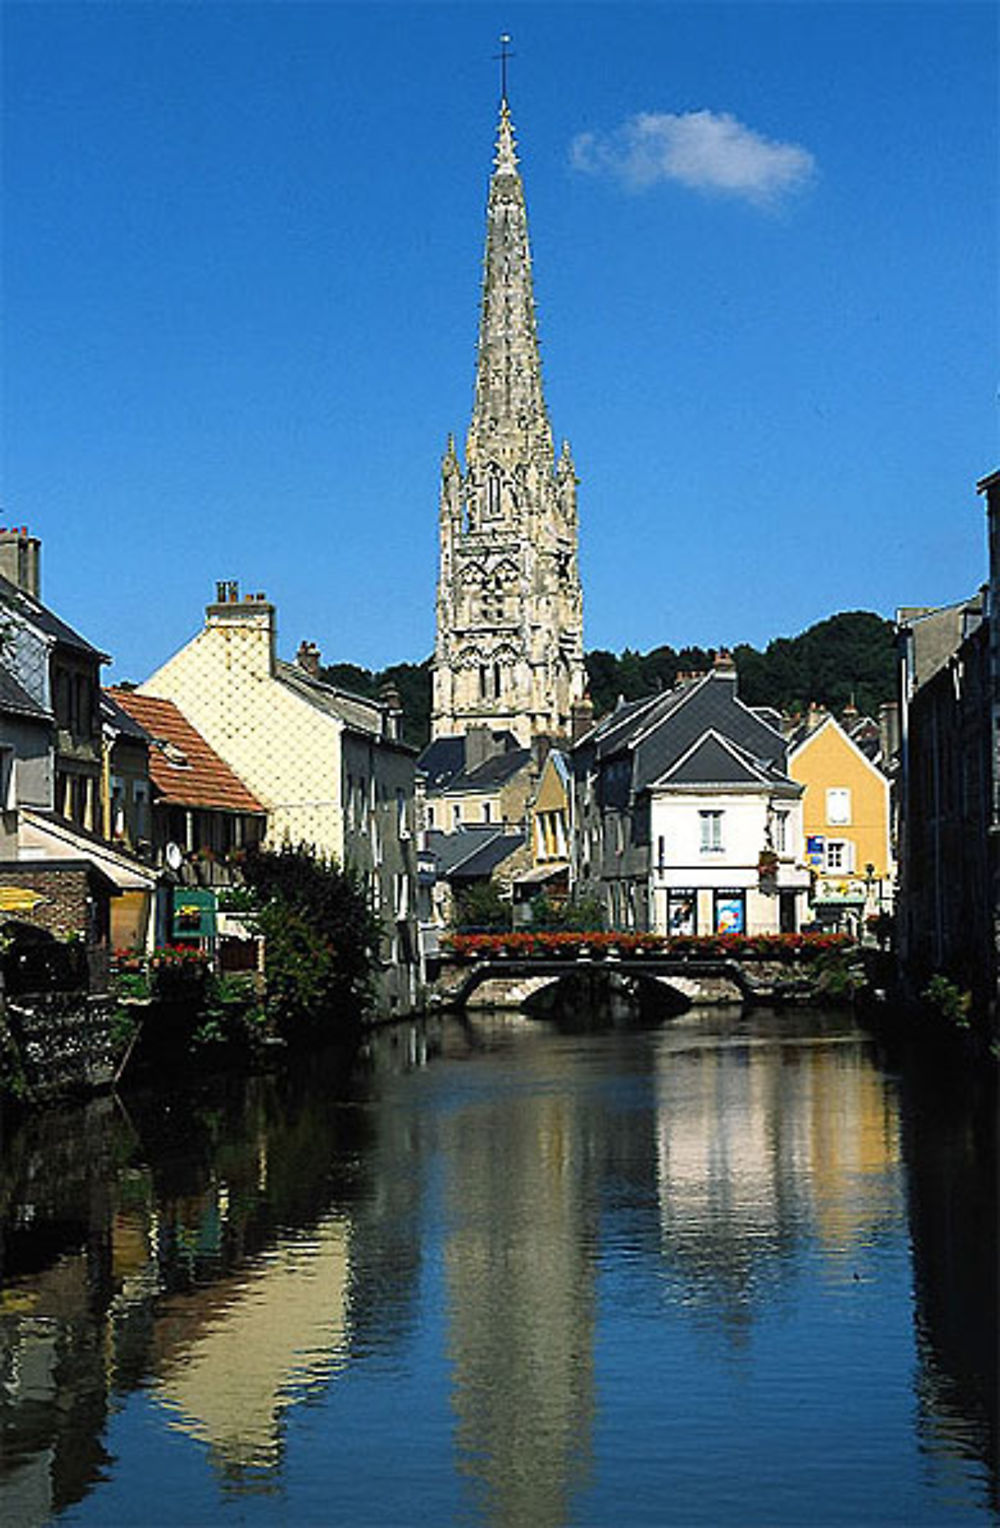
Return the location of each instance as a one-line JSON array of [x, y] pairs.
[[583, 914], [947, 999], [320, 938], [481, 906]]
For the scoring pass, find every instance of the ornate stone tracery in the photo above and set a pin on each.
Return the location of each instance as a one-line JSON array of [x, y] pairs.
[[509, 649]]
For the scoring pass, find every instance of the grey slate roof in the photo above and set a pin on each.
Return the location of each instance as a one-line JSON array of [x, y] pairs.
[[654, 734], [493, 772], [118, 717], [44, 619], [709, 705], [711, 762], [16, 701], [719, 762], [613, 732], [358, 712], [443, 762], [471, 852]]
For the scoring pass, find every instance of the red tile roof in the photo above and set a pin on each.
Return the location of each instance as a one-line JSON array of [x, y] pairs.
[[182, 767]]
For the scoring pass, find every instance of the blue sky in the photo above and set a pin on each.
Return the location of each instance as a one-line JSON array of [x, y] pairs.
[[242, 260]]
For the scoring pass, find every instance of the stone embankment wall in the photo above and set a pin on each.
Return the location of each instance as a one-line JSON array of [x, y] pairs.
[[55, 1044]]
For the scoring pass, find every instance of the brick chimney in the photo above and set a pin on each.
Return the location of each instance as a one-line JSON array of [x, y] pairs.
[[541, 747], [814, 715], [20, 559], [481, 743], [888, 729], [248, 623], [581, 718], [308, 659], [392, 701]]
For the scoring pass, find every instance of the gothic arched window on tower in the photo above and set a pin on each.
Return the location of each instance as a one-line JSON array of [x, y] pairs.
[[493, 497], [490, 681]]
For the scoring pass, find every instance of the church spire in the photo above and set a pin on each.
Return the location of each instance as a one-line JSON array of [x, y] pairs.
[[509, 420], [509, 650]]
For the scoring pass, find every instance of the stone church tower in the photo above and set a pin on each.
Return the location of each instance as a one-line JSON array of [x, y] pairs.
[[509, 650]]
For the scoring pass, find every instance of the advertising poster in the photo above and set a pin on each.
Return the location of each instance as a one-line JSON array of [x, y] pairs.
[[729, 913], [681, 912]]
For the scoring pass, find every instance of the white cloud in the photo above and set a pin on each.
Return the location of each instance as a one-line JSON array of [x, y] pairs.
[[709, 151]]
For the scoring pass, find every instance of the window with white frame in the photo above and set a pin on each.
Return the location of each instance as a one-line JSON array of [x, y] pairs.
[[7, 795], [839, 856], [838, 806], [781, 832], [711, 831]]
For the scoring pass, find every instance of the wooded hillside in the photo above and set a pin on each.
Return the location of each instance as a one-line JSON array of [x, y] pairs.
[[847, 657]]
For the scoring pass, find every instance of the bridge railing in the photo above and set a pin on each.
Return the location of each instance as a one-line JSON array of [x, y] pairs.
[[547, 945]]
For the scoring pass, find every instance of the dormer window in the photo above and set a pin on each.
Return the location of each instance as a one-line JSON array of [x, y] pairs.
[[173, 754]]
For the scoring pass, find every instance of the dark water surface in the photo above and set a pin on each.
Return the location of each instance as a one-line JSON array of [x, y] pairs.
[[730, 1271]]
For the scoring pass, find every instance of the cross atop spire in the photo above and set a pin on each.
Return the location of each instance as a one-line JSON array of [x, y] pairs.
[[502, 57]]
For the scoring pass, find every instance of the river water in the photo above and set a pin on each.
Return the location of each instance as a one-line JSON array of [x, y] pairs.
[[733, 1270]]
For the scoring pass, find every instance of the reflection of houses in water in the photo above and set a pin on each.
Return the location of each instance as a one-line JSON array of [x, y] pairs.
[[53, 1390], [54, 1285], [761, 1147], [233, 1356], [949, 1138], [520, 1303], [854, 1149]]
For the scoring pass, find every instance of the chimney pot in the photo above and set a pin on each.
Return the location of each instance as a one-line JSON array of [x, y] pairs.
[[308, 659]]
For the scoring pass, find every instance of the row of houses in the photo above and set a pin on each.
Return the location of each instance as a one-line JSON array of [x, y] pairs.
[[949, 788], [126, 811], [686, 812]]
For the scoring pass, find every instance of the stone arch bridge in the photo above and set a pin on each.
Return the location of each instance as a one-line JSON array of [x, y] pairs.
[[619, 985]]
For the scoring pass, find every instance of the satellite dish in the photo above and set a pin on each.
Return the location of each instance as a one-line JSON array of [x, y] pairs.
[[174, 856]]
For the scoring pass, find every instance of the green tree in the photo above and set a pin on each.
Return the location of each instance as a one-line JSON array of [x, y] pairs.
[[320, 939], [850, 657], [412, 681]]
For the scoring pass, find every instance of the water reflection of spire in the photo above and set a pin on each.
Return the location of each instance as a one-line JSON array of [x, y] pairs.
[[521, 1306]]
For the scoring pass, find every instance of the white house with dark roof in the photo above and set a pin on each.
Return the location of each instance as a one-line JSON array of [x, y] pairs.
[[58, 672], [685, 819], [53, 807]]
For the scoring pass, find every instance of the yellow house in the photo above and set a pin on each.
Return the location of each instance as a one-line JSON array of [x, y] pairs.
[[846, 819], [550, 814]]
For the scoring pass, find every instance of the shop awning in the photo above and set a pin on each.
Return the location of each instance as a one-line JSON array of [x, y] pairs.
[[538, 874], [40, 838]]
